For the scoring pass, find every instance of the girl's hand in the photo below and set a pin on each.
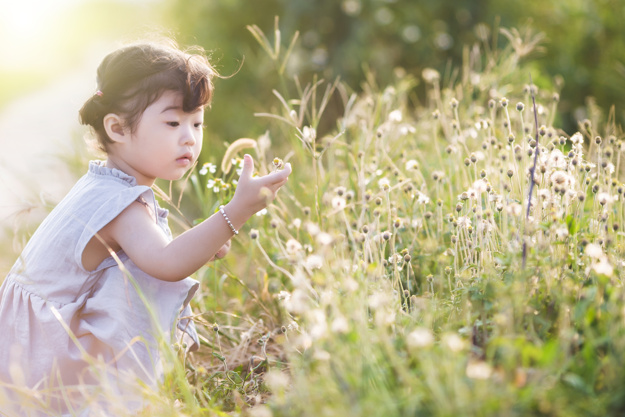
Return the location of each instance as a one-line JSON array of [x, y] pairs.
[[255, 193], [223, 251]]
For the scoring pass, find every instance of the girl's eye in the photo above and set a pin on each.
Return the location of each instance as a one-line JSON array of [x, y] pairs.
[[199, 125], [173, 124]]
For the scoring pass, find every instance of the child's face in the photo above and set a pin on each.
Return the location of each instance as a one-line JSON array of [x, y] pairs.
[[166, 142]]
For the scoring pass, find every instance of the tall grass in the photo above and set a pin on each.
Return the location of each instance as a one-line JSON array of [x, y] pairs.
[[405, 269], [401, 271]]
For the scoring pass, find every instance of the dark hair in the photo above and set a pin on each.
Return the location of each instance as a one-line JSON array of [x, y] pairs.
[[135, 76]]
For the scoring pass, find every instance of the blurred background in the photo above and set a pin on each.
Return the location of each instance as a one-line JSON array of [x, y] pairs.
[[49, 51]]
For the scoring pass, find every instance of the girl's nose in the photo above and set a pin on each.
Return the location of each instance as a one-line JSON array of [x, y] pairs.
[[189, 136]]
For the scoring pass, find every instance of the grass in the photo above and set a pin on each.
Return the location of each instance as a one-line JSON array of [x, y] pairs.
[[400, 271]]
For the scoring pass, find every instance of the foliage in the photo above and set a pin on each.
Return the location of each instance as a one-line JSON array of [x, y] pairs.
[[401, 273], [352, 37]]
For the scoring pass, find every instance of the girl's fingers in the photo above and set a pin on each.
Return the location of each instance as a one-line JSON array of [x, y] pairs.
[[248, 166]]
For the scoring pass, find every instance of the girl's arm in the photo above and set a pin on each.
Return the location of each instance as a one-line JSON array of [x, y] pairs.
[[141, 239]]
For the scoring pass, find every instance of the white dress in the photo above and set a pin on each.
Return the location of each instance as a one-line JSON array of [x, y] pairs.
[[56, 317]]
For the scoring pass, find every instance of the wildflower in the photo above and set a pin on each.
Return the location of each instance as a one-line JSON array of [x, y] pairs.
[[556, 159], [438, 175], [420, 337], [253, 234], [478, 370], [453, 103], [216, 184], [238, 163], [314, 262], [208, 167], [520, 106], [562, 179], [395, 258], [384, 184], [324, 239], [464, 222], [421, 198], [309, 134], [430, 75], [594, 251], [278, 163], [395, 116], [411, 164], [453, 342], [480, 186], [514, 209], [603, 267], [604, 198], [562, 233], [262, 212], [386, 235], [338, 203], [296, 223], [293, 246], [339, 325]]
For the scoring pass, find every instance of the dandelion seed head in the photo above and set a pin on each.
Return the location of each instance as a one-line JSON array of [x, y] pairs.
[[395, 116], [338, 203], [411, 164], [603, 267], [309, 134], [324, 239], [453, 342], [478, 370], [314, 262], [430, 75], [293, 246], [420, 338]]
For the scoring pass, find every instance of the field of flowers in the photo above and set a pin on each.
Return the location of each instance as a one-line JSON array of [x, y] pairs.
[[453, 256], [459, 255]]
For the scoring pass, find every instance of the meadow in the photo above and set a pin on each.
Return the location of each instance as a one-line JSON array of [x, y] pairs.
[[454, 254]]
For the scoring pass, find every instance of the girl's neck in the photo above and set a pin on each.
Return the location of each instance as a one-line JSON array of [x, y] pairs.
[[115, 163]]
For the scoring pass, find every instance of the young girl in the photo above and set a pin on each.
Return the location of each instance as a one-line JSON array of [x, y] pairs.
[[102, 278]]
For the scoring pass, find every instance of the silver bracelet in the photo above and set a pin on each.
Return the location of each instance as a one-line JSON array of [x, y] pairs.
[[235, 231]]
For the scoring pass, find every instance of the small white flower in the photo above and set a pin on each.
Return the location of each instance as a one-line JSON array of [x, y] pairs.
[[421, 198], [594, 251], [208, 167], [603, 267], [297, 222], [479, 370], [411, 164], [562, 233], [293, 246], [420, 337], [395, 116], [324, 239], [338, 203], [384, 184], [604, 198], [480, 186], [464, 222], [212, 183], [339, 325], [577, 138], [453, 342], [309, 134], [314, 262], [262, 212], [312, 228]]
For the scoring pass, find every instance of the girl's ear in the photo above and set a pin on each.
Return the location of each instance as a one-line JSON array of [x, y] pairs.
[[114, 126]]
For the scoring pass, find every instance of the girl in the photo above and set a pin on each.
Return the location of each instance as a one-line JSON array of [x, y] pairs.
[[101, 279]]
